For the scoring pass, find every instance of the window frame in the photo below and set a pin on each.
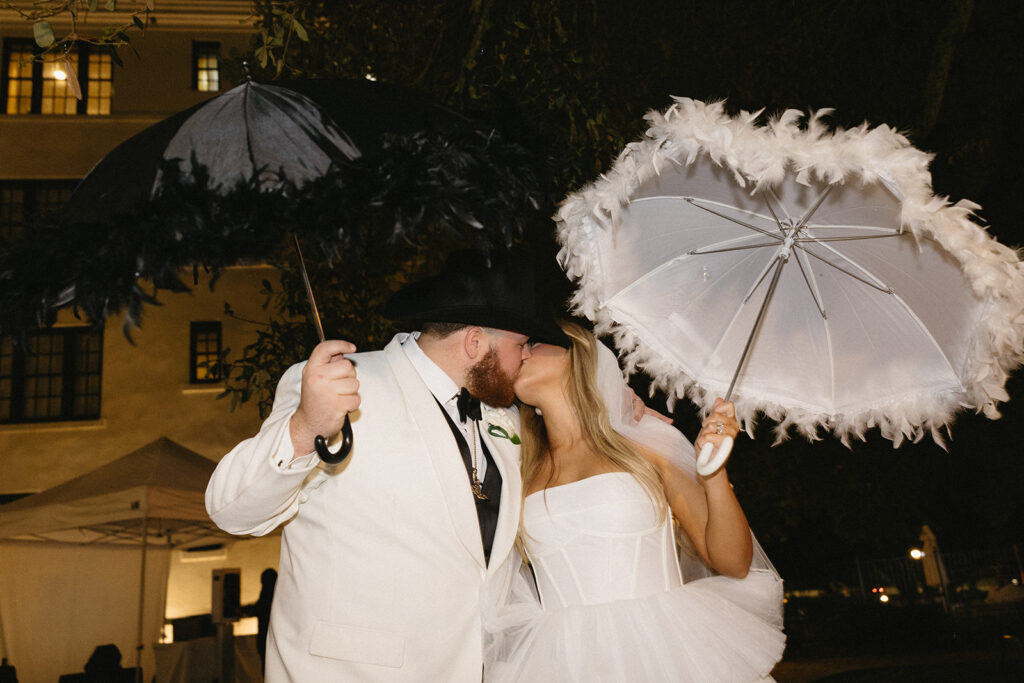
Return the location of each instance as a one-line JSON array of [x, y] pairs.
[[31, 207], [197, 328], [70, 373], [86, 79], [199, 49]]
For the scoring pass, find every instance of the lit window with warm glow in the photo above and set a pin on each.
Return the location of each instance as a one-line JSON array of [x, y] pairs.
[[206, 67], [43, 83], [100, 83], [18, 82], [58, 96]]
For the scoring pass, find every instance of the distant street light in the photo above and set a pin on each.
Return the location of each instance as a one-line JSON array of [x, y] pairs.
[[916, 553]]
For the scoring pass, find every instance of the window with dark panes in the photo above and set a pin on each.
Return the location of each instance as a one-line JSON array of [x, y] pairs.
[[36, 83], [55, 376], [22, 200], [205, 349], [205, 66]]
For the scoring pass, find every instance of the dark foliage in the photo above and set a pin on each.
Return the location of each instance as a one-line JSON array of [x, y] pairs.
[[469, 187]]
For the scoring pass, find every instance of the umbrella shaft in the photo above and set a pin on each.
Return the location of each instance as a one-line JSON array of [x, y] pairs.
[[309, 288], [779, 263]]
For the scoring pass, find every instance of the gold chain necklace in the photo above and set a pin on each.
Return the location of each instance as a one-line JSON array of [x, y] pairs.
[[477, 486]]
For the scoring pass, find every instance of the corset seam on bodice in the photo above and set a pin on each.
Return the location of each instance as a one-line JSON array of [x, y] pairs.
[[651, 561]]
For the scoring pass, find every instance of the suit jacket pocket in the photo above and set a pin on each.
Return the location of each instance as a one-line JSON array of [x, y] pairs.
[[356, 644]]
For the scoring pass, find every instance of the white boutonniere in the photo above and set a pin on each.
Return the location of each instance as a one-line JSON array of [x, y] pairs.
[[500, 425]]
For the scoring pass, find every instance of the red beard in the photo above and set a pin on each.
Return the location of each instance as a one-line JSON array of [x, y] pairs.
[[490, 383]]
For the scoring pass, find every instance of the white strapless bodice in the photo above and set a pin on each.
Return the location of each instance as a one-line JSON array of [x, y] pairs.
[[613, 605], [598, 540]]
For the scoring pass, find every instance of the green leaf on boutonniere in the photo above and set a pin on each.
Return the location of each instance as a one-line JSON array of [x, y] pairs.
[[496, 431]]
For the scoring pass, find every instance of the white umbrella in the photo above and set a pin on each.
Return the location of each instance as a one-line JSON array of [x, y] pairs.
[[807, 273]]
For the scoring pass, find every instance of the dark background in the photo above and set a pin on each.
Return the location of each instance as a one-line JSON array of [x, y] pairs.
[[572, 80]]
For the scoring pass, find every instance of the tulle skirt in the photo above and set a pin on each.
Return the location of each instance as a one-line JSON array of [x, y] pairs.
[[690, 633]]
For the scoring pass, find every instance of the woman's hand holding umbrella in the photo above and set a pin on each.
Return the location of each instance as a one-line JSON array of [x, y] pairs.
[[717, 433], [330, 391]]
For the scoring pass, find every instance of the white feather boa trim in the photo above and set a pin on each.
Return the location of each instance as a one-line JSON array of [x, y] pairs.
[[760, 155]]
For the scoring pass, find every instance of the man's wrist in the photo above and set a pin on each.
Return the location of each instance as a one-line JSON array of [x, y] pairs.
[[302, 440]]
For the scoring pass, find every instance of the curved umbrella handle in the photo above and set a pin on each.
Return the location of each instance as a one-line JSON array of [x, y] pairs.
[[709, 462], [320, 443]]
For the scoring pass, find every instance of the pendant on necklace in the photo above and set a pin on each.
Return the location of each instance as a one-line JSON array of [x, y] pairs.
[[477, 487]]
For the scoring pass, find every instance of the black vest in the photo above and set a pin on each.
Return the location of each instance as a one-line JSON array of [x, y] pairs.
[[486, 510]]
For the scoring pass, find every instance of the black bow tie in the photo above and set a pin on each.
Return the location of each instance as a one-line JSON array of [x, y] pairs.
[[468, 405]]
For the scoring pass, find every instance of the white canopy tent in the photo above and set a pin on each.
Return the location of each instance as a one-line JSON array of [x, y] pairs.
[[101, 575]]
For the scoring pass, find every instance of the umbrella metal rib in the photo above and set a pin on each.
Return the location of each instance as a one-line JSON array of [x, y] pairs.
[[881, 287], [693, 201], [812, 284], [795, 238], [850, 238], [787, 240], [701, 252], [779, 264], [810, 211]]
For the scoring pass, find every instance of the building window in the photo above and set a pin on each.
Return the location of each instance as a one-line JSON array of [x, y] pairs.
[[35, 83], [100, 84], [56, 376], [24, 200], [204, 352], [205, 66], [18, 81]]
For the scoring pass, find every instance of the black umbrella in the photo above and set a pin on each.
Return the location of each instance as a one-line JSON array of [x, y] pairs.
[[228, 180], [266, 132]]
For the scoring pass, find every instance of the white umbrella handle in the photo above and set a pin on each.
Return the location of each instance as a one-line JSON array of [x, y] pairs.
[[710, 460]]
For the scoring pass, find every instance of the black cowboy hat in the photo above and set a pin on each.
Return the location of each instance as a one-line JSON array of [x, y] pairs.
[[496, 290]]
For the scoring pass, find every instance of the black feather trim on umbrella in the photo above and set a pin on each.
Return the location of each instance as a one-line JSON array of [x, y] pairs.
[[478, 188]]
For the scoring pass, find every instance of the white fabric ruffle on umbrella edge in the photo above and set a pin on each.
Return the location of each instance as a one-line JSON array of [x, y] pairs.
[[761, 156]]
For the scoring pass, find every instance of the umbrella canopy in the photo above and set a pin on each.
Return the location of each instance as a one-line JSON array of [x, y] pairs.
[[810, 272], [256, 131], [229, 180]]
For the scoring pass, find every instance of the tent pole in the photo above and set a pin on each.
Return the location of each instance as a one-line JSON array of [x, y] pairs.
[[142, 601]]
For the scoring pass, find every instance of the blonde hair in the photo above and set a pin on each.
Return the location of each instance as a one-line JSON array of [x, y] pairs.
[[590, 410]]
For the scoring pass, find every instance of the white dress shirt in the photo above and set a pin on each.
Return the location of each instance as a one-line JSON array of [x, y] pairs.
[[446, 391]]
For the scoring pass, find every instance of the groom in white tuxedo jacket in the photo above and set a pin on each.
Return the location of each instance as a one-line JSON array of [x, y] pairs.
[[384, 555]]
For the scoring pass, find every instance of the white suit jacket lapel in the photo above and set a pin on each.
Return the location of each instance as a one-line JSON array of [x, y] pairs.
[[441, 449], [506, 457]]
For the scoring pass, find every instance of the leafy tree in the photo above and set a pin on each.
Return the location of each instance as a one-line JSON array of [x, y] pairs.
[[110, 37], [349, 297]]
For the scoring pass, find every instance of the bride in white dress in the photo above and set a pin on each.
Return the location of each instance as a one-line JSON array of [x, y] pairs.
[[604, 594]]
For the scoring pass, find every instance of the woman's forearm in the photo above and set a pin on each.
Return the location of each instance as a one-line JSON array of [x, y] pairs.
[[727, 533]]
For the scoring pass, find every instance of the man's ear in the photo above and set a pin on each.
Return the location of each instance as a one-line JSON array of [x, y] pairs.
[[474, 343]]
